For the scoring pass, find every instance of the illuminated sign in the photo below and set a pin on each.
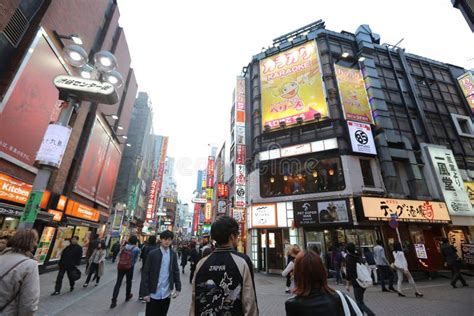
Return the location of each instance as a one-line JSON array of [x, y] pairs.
[[58, 215], [208, 212], [61, 203], [151, 199], [466, 82], [79, 210], [264, 215]]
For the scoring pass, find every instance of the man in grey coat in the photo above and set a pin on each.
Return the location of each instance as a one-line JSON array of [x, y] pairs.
[[160, 277], [383, 267]]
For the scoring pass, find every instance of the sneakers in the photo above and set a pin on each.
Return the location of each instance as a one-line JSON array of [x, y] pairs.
[[96, 284], [85, 285], [128, 297], [71, 289], [113, 304], [55, 293]]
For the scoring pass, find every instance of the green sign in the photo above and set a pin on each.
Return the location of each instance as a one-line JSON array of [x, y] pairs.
[[132, 197], [32, 207]]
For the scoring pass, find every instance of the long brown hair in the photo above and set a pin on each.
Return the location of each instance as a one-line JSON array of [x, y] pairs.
[[23, 241], [310, 273]]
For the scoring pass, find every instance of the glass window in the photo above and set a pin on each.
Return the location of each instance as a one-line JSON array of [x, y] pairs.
[[300, 175], [8, 225], [62, 241], [367, 173]]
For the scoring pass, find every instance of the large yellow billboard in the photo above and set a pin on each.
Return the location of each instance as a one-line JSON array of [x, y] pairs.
[[466, 82], [355, 102], [292, 86]]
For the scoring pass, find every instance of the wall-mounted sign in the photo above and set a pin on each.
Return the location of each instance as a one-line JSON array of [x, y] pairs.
[[264, 215], [470, 191], [361, 137], [61, 203], [87, 89], [466, 82], [240, 196], [421, 251], [468, 253], [150, 209], [199, 200], [333, 212], [79, 210], [58, 215], [312, 213], [405, 210], [221, 207], [13, 190], [53, 146], [449, 180], [238, 214], [305, 213], [295, 150], [240, 158], [208, 212]]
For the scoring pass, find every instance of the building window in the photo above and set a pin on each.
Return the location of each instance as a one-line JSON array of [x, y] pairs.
[[367, 175], [463, 125], [301, 175]]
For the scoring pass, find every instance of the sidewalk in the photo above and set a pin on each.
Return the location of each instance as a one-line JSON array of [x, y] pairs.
[[440, 299]]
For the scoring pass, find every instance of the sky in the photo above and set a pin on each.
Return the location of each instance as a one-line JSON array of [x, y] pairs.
[[186, 55]]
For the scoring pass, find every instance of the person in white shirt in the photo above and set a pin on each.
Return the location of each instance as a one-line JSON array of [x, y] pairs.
[[294, 251], [401, 265]]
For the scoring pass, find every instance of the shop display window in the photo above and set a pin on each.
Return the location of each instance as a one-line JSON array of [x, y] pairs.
[[44, 244], [300, 175], [8, 225], [83, 233], [62, 241]]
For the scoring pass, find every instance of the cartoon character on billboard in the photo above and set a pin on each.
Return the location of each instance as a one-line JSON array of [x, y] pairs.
[[352, 100]]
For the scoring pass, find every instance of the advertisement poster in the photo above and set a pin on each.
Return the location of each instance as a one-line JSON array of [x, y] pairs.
[[62, 241], [83, 234], [470, 191], [333, 212], [362, 139], [53, 145], [466, 82], [468, 253], [305, 213], [33, 98], [292, 86], [450, 181], [240, 159], [106, 186], [264, 215], [421, 251], [355, 102], [44, 244], [92, 161]]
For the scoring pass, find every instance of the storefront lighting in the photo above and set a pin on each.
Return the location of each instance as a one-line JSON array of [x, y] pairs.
[[9, 218], [331, 172], [326, 231], [285, 178], [282, 124], [114, 116], [272, 179], [124, 137], [361, 59], [129, 145], [345, 55], [317, 116], [300, 176], [315, 174], [76, 39]]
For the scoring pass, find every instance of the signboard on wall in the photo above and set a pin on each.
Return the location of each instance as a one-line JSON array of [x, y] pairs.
[[312, 213], [53, 145], [264, 215], [292, 86], [361, 137], [468, 253], [405, 210], [470, 191], [355, 102], [14, 190], [421, 251], [79, 210], [449, 180], [466, 82], [305, 213], [333, 212]]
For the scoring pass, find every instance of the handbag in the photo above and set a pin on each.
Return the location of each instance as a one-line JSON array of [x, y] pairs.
[[345, 306], [75, 274]]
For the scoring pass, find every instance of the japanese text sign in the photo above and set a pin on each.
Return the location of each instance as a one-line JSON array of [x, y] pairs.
[[54, 145], [466, 82]]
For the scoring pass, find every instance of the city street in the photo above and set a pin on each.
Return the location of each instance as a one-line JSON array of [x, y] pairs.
[[440, 298]]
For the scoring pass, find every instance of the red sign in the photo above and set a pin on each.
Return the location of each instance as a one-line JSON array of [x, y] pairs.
[[222, 191], [32, 105], [240, 159], [197, 208], [210, 167], [151, 200], [210, 182], [108, 177]]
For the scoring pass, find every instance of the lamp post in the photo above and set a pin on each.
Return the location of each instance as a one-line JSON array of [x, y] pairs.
[[73, 90]]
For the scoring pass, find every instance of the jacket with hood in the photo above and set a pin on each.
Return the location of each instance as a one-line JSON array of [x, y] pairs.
[[22, 279]]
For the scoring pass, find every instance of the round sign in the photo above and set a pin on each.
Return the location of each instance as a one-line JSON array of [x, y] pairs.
[[361, 137], [240, 192], [393, 223]]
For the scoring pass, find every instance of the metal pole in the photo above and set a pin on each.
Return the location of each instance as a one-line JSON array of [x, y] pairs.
[[398, 235], [44, 172]]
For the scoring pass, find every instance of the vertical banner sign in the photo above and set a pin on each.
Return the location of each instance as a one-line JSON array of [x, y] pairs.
[[353, 94], [208, 212], [210, 172], [151, 200], [32, 207], [466, 82], [53, 146], [292, 86], [239, 154], [450, 182]]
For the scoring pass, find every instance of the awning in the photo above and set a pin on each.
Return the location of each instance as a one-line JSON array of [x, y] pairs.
[[79, 222], [10, 210], [45, 217], [462, 220]]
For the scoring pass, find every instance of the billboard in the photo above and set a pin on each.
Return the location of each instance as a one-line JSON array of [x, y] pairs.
[[79, 210], [292, 86], [264, 216], [355, 102], [362, 140], [105, 189], [14, 190], [33, 98], [466, 82]]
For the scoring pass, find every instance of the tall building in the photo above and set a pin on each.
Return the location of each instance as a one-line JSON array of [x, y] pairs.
[[467, 9], [79, 192], [136, 166], [348, 139]]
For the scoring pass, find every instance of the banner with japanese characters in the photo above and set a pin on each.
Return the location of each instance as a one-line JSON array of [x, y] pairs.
[[466, 82], [449, 180]]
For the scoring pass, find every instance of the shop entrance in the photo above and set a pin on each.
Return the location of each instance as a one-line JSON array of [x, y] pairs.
[[272, 257]]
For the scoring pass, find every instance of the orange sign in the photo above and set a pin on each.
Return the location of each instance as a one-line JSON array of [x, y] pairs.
[[208, 212], [82, 211], [13, 190], [61, 203], [57, 215]]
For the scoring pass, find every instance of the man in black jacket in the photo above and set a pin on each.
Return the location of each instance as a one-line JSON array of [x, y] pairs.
[[160, 276], [453, 262], [70, 258]]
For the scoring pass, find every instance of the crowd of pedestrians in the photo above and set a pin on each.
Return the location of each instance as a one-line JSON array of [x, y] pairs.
[[222, 279]]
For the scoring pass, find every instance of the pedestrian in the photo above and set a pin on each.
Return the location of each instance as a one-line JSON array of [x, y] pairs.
[[313, 296], [288, 272], [19, 277], [337, 261], [4, 242], [96, 264], [115, 250], [383, 267], [193, 259], [369, 259], [160, 277], [184, 256], [205, 244], [401, 266], [224, 282], [452, 261], [128, 256], [70, 259], [149, 246], [352, 259], [90, 249]]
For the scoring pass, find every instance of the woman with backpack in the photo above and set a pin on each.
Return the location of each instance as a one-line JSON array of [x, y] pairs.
[[19, 278], [352, 259], [96, 263], [313, 296], [401, 266]]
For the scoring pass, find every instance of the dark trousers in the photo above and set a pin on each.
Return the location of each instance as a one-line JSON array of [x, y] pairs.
[[338, 274], [157, 307], [191, 276], [120, 274], [359, 298], [59, 279], [288, 280], [385, 273], [114, 256], [94, 268], [456, 274]]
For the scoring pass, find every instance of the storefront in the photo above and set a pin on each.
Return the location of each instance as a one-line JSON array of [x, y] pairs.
[[418, 225], [270, 235]]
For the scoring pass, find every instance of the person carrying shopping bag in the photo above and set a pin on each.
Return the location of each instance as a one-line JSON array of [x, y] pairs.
[[401, 266]]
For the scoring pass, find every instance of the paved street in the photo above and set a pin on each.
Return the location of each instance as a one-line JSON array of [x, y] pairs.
[[440, 298]]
